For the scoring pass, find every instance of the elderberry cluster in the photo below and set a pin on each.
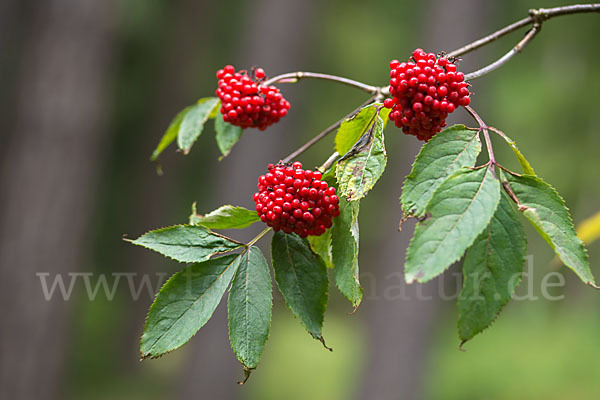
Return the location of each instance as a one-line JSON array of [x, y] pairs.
[[425, 90], [246, 103], [291, 199]]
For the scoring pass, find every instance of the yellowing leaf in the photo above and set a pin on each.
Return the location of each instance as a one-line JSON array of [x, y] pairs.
[[589, 230]]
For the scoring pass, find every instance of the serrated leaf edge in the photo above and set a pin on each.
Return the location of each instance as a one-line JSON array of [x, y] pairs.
[[517, 283], [320, 337], [242, 360], [417, 279], [154, 356], [546, 238], [133, 241], [405, 207]]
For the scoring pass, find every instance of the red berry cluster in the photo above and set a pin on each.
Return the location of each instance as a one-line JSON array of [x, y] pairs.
[[245, 103], [425, 90], [295, 200]]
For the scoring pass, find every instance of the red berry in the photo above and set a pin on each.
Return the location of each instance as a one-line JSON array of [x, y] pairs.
[[246, 103], [293, 200], [425, 90], [259, 73]]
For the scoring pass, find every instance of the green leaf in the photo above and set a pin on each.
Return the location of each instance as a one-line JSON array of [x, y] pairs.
[[193, 122], [225, 217], [491, 270], [185, 303], [170, 134], [359, 170], [439, 158], [186, 243], [354, 127], [322, 246], [227, 136], [525, 166], [546, 210], [458, 212], [302, 279], [344, 234], [249, 307]]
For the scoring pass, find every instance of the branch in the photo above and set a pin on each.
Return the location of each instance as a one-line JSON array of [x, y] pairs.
[[330, 129], [535, 16], [293, 77]]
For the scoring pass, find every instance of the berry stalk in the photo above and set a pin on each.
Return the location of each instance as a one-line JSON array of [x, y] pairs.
[[486, 134]]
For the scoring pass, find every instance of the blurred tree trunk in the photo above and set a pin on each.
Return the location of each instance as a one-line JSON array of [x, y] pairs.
[[11, 28], [400, 331], [276, 39], [48, 174]]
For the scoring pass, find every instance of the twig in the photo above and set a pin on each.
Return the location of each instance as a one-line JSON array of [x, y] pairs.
[[327, 164], [486, 133], [535, 16], [330, 129], [293, 77], [505, 58]]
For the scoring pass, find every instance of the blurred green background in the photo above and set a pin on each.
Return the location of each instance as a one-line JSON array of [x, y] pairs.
[[80, 126]]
